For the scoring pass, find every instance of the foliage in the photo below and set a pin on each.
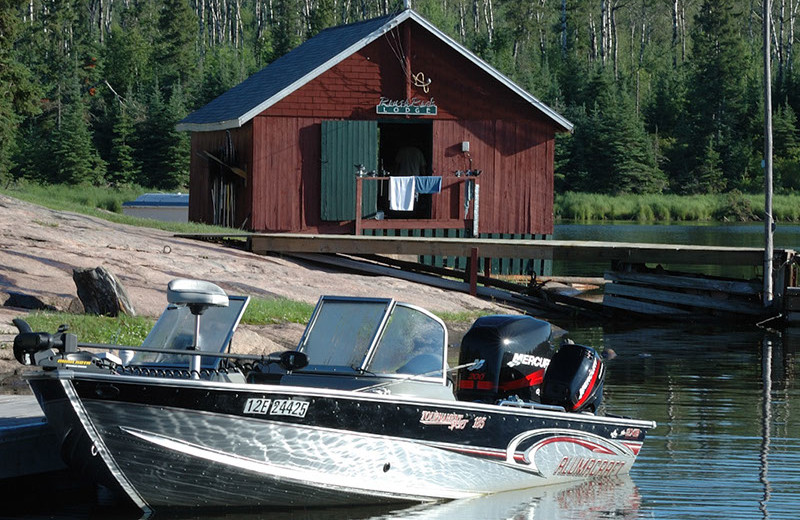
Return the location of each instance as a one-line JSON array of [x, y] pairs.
[[665, 96]]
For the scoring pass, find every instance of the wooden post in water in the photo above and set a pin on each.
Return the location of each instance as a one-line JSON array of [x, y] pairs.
[[768, 221]]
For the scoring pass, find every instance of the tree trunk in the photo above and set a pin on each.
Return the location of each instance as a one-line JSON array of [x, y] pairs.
[[563, 28]]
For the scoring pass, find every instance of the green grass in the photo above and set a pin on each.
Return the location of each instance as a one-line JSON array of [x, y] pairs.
[[127, 330], [123, 330], [281, 310], [461, 317], [724, 207]]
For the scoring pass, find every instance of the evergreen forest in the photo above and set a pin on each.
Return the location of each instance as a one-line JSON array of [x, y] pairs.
[[666, 95]]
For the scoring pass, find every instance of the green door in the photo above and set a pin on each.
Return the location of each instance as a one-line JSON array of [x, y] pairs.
[[345, 144]]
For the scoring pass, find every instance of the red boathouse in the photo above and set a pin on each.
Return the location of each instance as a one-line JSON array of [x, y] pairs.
[[375, 104]]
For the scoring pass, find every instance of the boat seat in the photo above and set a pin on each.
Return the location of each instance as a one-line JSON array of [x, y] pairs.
[[198, 295]]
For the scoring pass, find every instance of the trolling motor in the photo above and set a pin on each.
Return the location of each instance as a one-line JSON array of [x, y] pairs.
[[48, 350]]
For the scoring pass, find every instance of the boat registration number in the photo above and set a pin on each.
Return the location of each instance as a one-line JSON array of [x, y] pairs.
[[288, 407]]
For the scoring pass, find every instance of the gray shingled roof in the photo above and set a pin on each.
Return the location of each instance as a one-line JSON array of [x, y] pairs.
[[266, 87]]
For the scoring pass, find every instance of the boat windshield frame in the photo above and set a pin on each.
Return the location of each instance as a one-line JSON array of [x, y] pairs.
[[379, 340], [175, 330]]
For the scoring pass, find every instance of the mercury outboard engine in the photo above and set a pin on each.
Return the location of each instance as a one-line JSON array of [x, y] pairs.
[[515, 351], [574, 379]]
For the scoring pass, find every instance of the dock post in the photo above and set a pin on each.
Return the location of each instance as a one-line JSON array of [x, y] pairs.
[[473, 271], [359, 189]]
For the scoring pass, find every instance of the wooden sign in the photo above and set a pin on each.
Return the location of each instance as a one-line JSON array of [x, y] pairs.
[[402, 107]]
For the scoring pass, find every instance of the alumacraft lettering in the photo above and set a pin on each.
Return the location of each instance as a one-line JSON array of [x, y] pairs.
[[453, 421], [589, 467]]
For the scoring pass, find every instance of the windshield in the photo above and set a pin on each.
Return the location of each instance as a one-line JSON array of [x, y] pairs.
[[175, 330], [341, 332], [376, 336], [412, 343]]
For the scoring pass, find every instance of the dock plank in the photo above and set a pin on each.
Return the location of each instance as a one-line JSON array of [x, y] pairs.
[[742, 287], [263, 243], [702, 301], [27, 444]]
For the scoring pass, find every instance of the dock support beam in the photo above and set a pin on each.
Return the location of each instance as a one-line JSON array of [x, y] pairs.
[[473, 271]]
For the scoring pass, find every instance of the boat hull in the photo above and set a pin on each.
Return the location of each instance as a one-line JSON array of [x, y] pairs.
[[185, 444]]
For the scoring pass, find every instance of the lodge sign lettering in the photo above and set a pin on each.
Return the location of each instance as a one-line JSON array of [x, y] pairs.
[[415, 107]]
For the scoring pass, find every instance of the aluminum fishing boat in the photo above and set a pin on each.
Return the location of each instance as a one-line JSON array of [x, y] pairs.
[[366, 409]]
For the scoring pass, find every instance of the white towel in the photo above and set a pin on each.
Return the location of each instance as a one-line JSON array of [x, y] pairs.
[[401, 193]]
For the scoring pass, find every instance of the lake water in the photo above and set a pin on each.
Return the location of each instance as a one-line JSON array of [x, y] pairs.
[[735, 235], [726, 398]]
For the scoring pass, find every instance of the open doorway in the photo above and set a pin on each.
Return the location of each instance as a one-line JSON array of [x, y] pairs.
[[405, 148]]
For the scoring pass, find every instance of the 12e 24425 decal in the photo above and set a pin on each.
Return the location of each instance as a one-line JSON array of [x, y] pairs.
[[287, 407]]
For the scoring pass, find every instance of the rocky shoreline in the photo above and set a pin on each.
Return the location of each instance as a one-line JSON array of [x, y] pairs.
[[40, 247]]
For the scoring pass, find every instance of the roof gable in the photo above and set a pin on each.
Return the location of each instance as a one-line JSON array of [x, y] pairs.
[[288, 73]]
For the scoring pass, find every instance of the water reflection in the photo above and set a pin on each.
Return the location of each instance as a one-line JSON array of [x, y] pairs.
[[766, 419], [600, 499], [725, 398], [712, 234]]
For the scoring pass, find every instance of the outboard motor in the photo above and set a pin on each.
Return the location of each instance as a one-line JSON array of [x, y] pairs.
[[515, 351], [574, 379]]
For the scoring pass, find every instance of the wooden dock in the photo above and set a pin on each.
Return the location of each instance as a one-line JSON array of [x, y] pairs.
[[636, 283], [507, 248], [27, 444]]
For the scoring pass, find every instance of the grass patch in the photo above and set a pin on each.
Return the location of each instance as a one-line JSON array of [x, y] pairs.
[[128, 330], [462, 316], [100, 201], [723, 207], [123, 330], [261, 311]]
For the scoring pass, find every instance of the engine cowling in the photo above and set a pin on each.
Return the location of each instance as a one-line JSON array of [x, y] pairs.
[[574, 379], [515, 351]]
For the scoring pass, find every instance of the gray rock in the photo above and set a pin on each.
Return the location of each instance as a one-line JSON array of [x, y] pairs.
[[101, 293]]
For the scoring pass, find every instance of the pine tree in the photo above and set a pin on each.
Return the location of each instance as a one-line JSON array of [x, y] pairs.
[[17, 93], [322, 17], [150, 134], [787, 149], [717, 92], [164, 152], [611, 150], [122, 167], [176, 56], [76, 159], [177, 150], [285, 32]]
